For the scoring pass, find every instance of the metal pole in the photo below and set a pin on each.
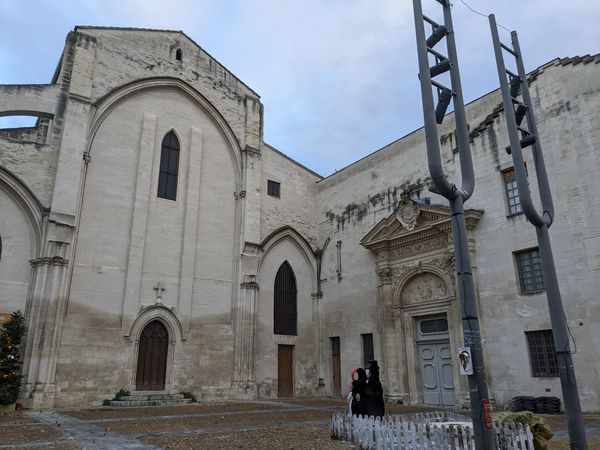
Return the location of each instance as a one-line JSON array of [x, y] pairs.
[[485, 436], [542, 223], [566, 370]]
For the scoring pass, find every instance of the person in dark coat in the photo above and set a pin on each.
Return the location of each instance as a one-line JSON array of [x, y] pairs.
[[374, 392], [358, 405]]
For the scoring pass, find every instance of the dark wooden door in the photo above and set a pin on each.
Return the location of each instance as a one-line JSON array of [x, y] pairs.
[[285, 371], [336, 369], [152, 358], [337, 375]]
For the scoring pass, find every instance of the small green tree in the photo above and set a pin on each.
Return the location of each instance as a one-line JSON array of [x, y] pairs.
[[11, 338]]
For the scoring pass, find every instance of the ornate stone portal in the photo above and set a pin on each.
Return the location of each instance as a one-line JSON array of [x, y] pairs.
[[415, 265]]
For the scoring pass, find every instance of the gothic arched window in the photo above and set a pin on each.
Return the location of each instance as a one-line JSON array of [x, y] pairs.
[[178, 55], [285, 311], [169, 167]]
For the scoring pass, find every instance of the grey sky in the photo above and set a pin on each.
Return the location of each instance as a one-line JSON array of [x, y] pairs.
[[337, 77]]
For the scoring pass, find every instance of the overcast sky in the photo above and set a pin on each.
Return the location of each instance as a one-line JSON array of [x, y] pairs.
[[337, 77]]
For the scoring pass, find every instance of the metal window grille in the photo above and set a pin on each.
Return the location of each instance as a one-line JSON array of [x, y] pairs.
[[432, 326], [285, 311], [542, 353], [512, 192], [529, 267], [169, 167], [335, 346], [368, 353], [273, 188]]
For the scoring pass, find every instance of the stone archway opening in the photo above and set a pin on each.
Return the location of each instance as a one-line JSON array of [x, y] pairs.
[[416, 271]]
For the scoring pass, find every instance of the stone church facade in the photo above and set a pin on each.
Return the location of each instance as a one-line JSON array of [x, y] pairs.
[[156, 242]]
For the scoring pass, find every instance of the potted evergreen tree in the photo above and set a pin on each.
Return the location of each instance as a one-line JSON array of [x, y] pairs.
[[11, 338]]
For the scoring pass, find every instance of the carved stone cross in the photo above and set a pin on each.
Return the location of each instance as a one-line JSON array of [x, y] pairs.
[[158, 288]]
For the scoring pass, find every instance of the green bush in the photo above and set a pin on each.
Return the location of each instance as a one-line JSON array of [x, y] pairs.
[[122, 393], [11, 338], [539, 427], [189, 395]]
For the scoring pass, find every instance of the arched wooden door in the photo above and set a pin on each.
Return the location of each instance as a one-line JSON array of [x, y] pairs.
[[152, 358]]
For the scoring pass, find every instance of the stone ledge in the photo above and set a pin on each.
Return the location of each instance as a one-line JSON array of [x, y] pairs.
[[155, 402]]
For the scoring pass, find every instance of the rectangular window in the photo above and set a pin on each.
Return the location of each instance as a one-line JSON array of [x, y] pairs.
[[368, 353], [512, 192], [542, 353], [529, 268], [273, 188]]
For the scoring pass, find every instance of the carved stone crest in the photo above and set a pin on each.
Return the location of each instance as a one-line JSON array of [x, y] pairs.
[[407, 214], [446, 263]]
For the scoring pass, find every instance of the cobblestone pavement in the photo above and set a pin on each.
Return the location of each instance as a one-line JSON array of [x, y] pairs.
[[291, 424]]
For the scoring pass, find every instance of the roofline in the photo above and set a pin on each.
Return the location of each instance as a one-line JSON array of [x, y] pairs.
[[534, 72], [89, 27], [294, 161]]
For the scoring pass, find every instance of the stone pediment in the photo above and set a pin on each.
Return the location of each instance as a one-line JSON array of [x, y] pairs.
[[412, 222]]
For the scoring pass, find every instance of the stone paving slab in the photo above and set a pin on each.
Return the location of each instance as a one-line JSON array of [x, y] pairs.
[[201, 424], [111, 413], [307, 436], [185, 415], [268, 424], [23, 434], [89, 436]]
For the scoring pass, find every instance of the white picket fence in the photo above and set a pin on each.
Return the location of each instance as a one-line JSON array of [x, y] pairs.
[[434, 430]]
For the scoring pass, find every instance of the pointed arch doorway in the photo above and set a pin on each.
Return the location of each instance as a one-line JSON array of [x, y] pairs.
[[152, 357]]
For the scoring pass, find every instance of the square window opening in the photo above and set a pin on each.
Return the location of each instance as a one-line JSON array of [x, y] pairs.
[[274, 188], [529, 271], [542, 353]]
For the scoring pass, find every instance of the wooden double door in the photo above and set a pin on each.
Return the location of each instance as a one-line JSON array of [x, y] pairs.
[[152, 358]]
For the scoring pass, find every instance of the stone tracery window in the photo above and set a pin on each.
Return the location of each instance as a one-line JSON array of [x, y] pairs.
[[285, 313], [169, 167]]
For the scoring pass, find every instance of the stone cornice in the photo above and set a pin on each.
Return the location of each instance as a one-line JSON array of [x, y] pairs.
[[51, 261], [415, 228]]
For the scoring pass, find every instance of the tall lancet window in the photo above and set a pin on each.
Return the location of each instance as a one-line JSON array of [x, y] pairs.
[[169, 167], [285, 312]]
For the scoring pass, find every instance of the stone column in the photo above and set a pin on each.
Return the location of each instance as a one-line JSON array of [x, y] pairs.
[[392, 347], [45, 316], [318, 343], [243, 385]]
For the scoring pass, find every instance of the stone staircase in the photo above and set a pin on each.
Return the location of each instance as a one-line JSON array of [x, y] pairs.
[[150, 398]]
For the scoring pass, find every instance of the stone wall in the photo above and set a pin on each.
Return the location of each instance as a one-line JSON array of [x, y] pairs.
[[353, 200]]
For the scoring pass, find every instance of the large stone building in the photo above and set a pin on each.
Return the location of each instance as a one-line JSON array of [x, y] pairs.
[[151, 237]]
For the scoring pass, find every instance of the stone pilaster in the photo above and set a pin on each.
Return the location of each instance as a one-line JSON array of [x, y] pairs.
[[318, 342], [45, 315], [243, 385]]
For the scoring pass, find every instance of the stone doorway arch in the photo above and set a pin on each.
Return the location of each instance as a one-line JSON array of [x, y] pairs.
[[416, 270]]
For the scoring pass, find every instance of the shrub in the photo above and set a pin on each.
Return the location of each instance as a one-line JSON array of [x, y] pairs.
[[11, 338], [189, 395], [122, 393]]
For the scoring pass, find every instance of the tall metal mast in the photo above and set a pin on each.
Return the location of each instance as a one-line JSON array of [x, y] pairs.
[[515, 111], [485, 436]]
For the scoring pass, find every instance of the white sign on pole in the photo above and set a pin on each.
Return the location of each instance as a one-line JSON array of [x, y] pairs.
[[465, 361]]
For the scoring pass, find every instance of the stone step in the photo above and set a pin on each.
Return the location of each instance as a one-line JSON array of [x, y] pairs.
[[155, 402], [142, 396]]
